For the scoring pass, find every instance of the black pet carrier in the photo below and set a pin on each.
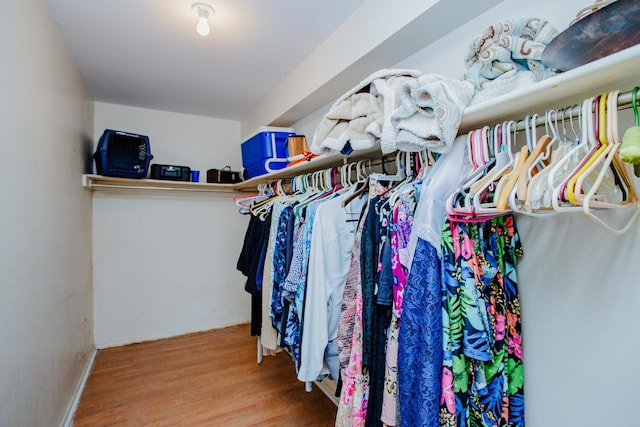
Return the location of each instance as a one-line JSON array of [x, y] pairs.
[[123, 154]]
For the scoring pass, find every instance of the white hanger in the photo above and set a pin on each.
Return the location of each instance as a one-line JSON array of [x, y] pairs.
[[632, 198], [560, 173], [538, 184], [504, 161]]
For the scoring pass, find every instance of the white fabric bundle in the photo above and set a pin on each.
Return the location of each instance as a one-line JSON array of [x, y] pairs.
[[430, 114], [358, 116]]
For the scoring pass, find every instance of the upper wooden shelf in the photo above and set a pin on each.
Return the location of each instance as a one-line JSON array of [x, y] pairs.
[[99, 182], [617, 71]]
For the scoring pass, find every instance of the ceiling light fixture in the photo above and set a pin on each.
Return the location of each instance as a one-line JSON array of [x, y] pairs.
[[203, 10]]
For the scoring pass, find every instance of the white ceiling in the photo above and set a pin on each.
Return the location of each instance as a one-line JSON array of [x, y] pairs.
[[147, 53]]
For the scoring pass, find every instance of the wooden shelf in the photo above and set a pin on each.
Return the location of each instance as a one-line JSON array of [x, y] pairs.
[[617, 71], [99, 182]]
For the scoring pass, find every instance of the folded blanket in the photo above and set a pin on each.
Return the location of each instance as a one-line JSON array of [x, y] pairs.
[[430, 113], [502, 50], [362, 107]]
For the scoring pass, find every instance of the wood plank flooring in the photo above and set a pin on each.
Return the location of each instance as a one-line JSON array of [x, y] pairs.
[[204, 379]]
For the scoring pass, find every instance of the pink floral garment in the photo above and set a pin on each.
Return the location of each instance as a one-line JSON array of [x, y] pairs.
[[352, 407], [400, 233], [354, 399]]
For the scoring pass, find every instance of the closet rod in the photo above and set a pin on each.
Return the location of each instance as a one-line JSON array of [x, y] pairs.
[[386, 158], [624, 102]]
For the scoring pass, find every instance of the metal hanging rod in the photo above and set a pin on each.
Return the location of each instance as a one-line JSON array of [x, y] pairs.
[[570, 112]]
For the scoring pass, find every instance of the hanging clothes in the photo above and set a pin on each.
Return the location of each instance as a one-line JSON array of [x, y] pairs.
[[401, 225], [420, 340], [361, 285], [330, 254], [249, 263], [352, 406], [296, 318], [482, 375], [282, 252], [269, 337], [289, 291], [382, 291], [420, 317]]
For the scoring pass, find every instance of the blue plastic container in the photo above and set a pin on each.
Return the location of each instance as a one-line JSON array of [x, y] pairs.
[[265, 152]]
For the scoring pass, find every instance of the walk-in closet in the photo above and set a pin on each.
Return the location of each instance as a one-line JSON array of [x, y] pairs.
[[453, 242]]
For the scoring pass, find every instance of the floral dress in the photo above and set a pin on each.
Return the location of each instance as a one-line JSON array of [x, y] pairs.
[[354, 397], [401, 224], [482, 372]]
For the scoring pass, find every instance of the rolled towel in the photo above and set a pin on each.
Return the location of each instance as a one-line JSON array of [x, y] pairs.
[[368, 117], [338, 110], [389, 90], [430, 113], [335, 139], [507, 48]]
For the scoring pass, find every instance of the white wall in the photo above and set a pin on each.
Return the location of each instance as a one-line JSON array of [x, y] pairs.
[[46, 117], [164, 263], [578, 283]]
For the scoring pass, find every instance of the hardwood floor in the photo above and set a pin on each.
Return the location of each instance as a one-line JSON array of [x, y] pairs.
[[204, 379]]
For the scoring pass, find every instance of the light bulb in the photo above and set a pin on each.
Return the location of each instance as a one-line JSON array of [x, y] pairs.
[[203, 26], [203, 10]]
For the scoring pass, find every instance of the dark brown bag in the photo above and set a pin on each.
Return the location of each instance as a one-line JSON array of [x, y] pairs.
[[223, 176]]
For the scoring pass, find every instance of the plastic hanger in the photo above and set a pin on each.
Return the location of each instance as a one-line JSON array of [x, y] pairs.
[[504, 165], [398, 176], [459, 203], [633, 199], [538, 184], [505, 191], [521, 174], [599, 148], [615, 191], [607, 139], [262, 208], [562, 173]]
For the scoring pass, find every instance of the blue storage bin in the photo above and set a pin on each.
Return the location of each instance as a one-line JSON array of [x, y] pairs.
[[266, 151]]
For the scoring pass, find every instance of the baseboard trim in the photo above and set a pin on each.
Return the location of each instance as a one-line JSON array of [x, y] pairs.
[[71, 412], [328, 387]]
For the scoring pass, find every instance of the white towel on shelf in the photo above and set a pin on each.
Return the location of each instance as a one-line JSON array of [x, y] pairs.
[[356, 104], [335, 139], [332, 127], [367, 117], [430, 113], [389, 90]]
